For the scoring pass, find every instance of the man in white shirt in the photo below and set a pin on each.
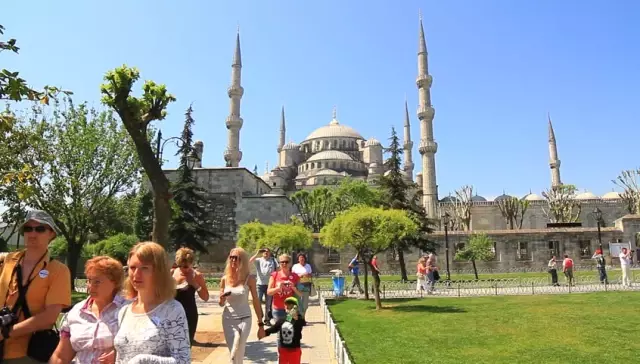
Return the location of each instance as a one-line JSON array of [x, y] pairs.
[[625, 264]]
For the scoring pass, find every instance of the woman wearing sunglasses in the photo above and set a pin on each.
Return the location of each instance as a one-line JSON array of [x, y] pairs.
[[234, 296], [282, 285]]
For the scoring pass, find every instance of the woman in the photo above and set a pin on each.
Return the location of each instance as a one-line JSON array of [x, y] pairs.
[[153, 328], [189, 281], [421, 273], [282, 285], [303, 270], [432, 270], [234, 296], [88, 329]]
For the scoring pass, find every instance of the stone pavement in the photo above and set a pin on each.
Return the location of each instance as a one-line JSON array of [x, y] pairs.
[[315, 345]]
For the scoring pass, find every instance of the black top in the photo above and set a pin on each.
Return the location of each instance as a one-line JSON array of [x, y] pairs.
[[289, 331]]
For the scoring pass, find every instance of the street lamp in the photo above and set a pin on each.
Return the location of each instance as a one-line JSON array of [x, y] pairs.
[[598, 215], [160, 143], [445, 222]]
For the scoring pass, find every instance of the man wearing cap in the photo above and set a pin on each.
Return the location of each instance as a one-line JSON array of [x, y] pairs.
[[43, 285], [265, 265]]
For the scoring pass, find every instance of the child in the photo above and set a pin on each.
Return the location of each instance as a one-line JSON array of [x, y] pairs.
[[289, 332]]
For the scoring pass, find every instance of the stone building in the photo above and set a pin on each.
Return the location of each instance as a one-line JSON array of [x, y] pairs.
[[335, 151]]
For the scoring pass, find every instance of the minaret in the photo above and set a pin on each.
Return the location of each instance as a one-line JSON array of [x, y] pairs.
[[283, 131], [554, 162], [408, 144], [428, 147], [233, 155]]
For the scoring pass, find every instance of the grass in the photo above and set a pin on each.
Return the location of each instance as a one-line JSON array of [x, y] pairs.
[[578, 328]]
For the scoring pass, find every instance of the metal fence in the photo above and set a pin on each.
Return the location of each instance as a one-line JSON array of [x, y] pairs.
[[340, 352]]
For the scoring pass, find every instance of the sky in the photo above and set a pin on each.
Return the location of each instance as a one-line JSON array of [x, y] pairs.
[[499, 67]]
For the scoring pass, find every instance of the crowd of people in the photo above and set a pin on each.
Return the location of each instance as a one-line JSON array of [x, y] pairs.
[[144, 313]]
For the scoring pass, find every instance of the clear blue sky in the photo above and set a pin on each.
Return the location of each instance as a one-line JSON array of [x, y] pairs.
[[498, 66]]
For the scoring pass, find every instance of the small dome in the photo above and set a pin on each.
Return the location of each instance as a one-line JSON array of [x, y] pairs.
[[327, 172], [502, 197], [587, 196], [478, 198], [449, 199], [532, 197], [372, 142], [330, 155], [389, 172], [613, 195], [291, 146]]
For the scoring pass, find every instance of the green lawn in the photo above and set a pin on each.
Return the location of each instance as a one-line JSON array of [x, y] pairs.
[[577, 328]]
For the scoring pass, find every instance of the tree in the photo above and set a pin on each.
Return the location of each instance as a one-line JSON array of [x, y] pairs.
[[83, 161], [190, 226], [479, 247], [136, 113], [351, 192], [277, 237], [316, 207], [369, 231], [629, 181], [462, 207], [513, 210], [143, 218], [562, 205], [117, 247]]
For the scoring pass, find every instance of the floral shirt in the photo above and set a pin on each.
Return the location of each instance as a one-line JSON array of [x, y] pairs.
[[91, 336], [160, 336]]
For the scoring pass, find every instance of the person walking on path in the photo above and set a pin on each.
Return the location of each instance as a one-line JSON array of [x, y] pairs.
[[304, 271], [601, 265], [355, 272], [265, 266], [553, 270], [289, 332], [625, 264], [421, 274], [282, 285], [234, 296], [188, 282], [567, 268]]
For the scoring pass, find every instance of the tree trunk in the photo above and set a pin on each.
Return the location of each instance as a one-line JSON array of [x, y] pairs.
[[403, 266], [161, 220], [366, 281], [73, 254], [475, 269], [376, 288]]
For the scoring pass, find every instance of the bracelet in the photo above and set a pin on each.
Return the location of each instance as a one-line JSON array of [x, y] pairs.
[[199, 289], [260, 324]]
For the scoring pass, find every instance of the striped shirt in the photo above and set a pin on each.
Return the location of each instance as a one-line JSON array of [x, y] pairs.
[[91, 336]]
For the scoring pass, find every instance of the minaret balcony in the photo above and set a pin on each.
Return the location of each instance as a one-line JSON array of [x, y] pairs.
[[234, 122], [235, 91], [428, 147], [424, 81], [408, 145], [232, 155], [554, 164], [426, 113]]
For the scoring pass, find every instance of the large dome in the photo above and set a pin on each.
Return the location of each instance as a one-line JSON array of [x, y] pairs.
[[330, 155], [334, 130]]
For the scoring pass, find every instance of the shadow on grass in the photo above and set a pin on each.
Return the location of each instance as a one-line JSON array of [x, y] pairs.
[[425, 308], [402, 305]]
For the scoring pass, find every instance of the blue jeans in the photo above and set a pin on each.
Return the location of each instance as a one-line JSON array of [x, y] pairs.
[[262, 292], [279, 314], [304, 299]]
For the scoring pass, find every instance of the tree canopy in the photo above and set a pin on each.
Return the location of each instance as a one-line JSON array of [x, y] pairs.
[[277, 237], [479, 247]]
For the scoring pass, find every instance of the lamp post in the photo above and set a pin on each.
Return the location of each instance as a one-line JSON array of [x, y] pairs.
[[445, 222], [598, 215], [160, 144]]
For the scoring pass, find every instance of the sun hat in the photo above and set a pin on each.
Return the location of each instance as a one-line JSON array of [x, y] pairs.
[[43, 218]]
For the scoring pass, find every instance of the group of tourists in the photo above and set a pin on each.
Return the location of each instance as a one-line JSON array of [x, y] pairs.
[[427, 273], [146, 314], [568, 266]]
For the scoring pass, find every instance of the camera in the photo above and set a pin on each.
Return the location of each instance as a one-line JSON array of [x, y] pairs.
[[7, 317]]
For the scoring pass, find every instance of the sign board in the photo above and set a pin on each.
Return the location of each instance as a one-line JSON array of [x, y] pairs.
[[616, 248]]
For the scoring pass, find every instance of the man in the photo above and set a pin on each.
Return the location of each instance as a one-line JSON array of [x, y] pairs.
[[553, 271], [567, 268], [355, 271], [601, 265], [374, 267], [625, 264], [265, 265], [47, 282]]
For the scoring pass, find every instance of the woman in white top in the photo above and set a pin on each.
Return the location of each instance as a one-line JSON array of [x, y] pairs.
[[153, 328], [303, 270], [234, 296]]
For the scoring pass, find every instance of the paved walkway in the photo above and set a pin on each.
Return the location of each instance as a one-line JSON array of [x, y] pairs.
[[315, 345]]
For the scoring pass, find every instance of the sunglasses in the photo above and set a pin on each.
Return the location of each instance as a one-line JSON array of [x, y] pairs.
[[234, 257], [284, 262], [38, 229]]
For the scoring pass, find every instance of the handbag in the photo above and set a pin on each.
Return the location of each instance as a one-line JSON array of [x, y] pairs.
[[436, 275], [42, 343]]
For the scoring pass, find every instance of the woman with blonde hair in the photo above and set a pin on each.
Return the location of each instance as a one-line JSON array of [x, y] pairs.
[[153, 327], [421, 273], [88, 329], [234, 296], [282, 285], [189, 281]]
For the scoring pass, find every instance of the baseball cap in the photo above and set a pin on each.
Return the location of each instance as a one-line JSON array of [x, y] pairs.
[[291, 300], [43, 218]]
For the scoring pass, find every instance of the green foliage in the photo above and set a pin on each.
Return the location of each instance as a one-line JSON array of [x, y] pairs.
[[351, 192], [117, 247], [190, 227], [136, 113], [479, 247], [59, 248], [143, 224], [393, 185], [513, 210], [287, 237]]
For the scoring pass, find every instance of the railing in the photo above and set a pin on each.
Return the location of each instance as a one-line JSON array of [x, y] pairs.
[[338, 345]]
